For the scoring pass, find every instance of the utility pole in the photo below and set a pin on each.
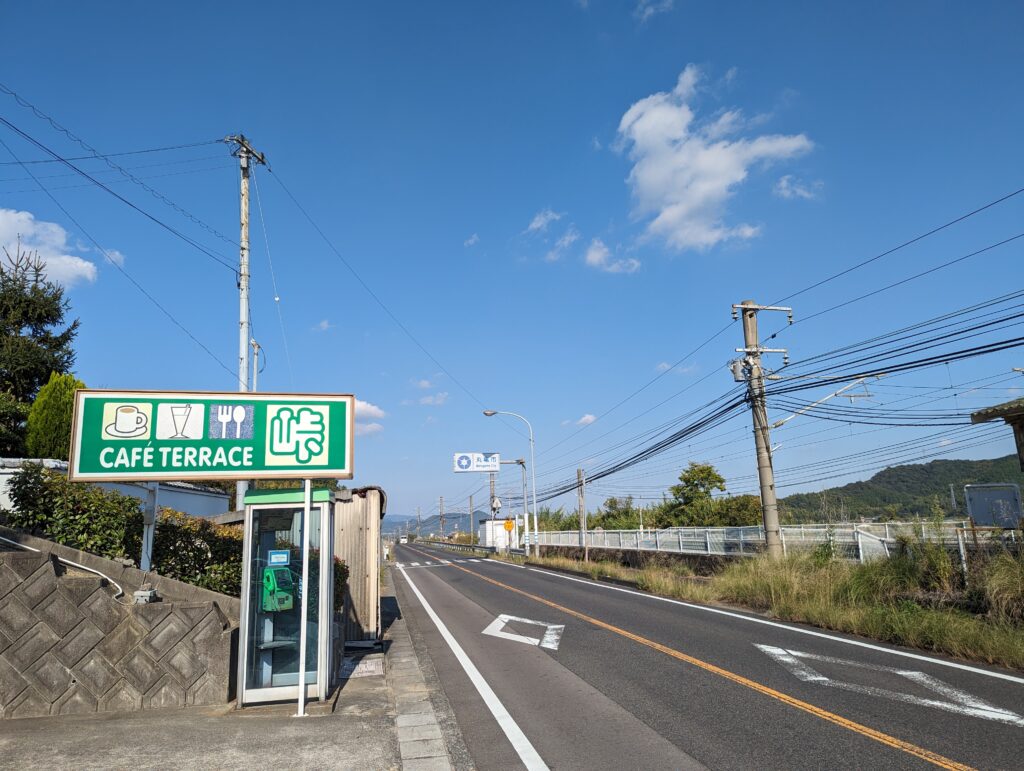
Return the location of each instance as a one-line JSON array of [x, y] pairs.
[[581, 503], [245, 153], [752, 351], [470, 522], [418, 532], [493, 510], [441, 509]]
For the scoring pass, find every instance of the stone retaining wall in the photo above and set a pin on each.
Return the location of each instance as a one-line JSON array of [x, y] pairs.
[[68, 645]]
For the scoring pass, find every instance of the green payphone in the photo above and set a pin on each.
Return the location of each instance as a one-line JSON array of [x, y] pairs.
[[278, 590]]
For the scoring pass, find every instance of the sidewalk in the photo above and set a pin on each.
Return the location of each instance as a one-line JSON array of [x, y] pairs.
[[379, 722]]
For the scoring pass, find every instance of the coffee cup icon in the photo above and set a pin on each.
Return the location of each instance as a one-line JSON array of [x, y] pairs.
[[129, 422]]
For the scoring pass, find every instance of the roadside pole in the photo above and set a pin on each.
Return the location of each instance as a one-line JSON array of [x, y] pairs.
[[470, 522], [149, 526], [440, 508], [491, 475], [581, 502], [759, 412], [304, 610]]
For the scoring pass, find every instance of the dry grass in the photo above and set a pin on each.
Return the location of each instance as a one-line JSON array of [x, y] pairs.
[[870, 600]]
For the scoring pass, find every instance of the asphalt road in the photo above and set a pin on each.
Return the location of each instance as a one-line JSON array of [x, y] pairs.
[[634, 681]]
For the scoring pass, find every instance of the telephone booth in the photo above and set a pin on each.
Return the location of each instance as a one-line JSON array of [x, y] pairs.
[[273, 594]]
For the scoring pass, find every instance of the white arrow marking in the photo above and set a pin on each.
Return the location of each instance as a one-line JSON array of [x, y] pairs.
[[960, 702], [550, 640]]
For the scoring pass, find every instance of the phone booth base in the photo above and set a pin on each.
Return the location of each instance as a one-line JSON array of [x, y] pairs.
[[273, 593]]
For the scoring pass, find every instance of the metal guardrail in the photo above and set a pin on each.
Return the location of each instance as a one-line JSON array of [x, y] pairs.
[[854, 541], [463, 547]]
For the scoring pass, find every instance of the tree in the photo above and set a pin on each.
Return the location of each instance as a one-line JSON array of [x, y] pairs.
[[696, 484], [49, 419], [32, 343], [32, 311]]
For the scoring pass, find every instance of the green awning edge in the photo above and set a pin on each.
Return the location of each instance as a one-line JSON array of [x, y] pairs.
[[295, 495]]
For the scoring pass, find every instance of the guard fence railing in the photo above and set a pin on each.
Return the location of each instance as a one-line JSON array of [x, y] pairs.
[[853, 541]]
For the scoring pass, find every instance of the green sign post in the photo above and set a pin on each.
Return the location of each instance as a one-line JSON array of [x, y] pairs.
[[152, 435]]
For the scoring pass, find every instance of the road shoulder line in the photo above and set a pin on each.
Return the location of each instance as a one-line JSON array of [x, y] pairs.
[[780, 625], [524, 749]]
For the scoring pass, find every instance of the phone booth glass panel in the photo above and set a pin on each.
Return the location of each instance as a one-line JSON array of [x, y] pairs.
[[273, 593]]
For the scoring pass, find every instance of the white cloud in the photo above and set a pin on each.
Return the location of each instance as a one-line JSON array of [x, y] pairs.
[[472, 240], [685, 171], [663, 366], [365, 429], [422, 383], [946, 442], [435, 400], [595, 143], [115, 256], [571, 236], [598, 256], [542, 219], [789, 186], [323, 326], [645, 9], [367, 410], [586, 420], [50, 240]]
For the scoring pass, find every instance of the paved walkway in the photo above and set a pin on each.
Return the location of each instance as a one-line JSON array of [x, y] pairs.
[[380, 722]]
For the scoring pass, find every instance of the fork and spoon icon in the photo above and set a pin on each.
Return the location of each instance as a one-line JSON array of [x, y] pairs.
[[227, 414]]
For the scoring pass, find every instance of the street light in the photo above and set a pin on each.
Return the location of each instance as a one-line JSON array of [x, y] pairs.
[[533, 476]]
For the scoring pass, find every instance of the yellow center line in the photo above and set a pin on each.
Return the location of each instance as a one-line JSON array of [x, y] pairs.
[[831, 717]]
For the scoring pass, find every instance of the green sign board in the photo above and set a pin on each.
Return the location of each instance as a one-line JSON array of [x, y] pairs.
[[153, 435]]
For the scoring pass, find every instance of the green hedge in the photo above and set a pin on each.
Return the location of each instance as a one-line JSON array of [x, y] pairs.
[[109, 524]]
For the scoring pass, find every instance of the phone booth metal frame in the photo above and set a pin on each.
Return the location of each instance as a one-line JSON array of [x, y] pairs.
[[256, 623]]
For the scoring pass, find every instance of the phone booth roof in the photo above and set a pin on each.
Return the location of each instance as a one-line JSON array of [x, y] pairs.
[[293, 496]]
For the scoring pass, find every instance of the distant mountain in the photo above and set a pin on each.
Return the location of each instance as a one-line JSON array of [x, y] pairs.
[[901, 492], [394, 523]]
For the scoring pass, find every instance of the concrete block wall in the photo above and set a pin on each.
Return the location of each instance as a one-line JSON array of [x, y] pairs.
[[67, 645]]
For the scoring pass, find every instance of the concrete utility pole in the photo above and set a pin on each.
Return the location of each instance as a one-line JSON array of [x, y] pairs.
[[441, 509], [752, 351], [418, 533], [245, 153], [470, 525], [581, 503], [493, 510], [255, 363]]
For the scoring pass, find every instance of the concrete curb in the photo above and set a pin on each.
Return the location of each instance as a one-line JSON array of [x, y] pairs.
[[420, 738]]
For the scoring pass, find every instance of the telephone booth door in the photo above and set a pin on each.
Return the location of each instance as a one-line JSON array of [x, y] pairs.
[[273, 593]]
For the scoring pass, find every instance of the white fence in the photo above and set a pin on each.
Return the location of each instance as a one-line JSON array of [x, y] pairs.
[[856, 541]]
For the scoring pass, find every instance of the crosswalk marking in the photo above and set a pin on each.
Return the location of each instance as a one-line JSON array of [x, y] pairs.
[[474, 560], [415, 564]]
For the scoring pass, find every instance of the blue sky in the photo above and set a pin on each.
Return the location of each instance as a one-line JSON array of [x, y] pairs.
[[555, 199]]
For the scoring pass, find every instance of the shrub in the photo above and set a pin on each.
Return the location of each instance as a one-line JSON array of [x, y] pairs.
[[49, 419]]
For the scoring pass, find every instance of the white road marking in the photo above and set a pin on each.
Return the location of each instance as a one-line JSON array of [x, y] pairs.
[[959, 702], [474, 560], [415, 564], [524, 749], [398, 564], [798, 630], [550, 640]]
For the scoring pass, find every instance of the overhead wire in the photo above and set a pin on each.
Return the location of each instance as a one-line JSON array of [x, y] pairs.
[[122, 270]]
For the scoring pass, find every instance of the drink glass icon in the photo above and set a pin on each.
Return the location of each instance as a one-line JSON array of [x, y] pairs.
[[179, 416]]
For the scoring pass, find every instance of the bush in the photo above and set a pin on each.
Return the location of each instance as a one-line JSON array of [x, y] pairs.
[[109, 524], [49, 419], [84, 517]]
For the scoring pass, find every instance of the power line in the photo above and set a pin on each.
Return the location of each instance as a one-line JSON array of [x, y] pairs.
[[111, 155], [195, 244], [120, 268], [376, 298], [273, 281], [127, 174]]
